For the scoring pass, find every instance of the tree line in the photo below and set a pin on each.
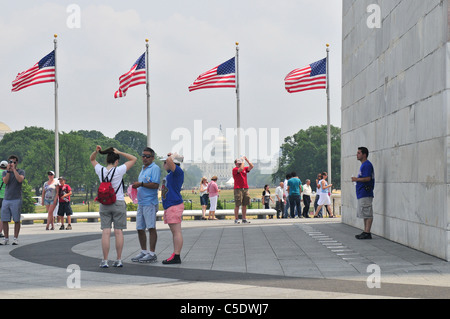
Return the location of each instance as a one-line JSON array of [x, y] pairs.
[[305, 153], [35, 148]]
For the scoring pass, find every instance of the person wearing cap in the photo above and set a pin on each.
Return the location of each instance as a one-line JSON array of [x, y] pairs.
[[148, 204], [13, 177], [65, 191], [50, 198], [241, 197], [213, 191], [173, 203], [3, 166]]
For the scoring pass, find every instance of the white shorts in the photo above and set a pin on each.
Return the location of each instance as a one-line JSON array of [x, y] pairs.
[[213, 203], [324, 199]]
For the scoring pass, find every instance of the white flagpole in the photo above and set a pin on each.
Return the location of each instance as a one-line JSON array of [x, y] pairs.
[[238, 101], [328, 116], [56, 114], [148, 94]]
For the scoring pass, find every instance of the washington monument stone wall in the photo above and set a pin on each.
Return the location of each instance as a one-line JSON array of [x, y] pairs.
[[395, 101]]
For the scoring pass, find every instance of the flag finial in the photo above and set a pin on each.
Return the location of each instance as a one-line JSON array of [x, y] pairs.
[[146, 40], [237, 43], [55, 35]]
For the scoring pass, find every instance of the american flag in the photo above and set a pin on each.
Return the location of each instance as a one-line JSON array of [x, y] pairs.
[[41, 72], [311, 77], [222, 76], [136, 76]]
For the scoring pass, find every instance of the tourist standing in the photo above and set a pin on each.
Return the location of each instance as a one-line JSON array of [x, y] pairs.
[[173, 204], [365, 184], [49, 198], [241, 196], [115, 213], [148, 204], [13, 178]]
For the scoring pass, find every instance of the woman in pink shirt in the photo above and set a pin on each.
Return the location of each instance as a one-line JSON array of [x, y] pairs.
[[213, 191]]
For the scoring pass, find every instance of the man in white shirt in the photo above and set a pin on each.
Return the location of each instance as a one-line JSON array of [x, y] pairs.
[[279, 205], [307, 192]]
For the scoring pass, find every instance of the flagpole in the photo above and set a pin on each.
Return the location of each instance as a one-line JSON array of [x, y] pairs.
[[238, 102], [148, 93], [328, 116], [56, 114]]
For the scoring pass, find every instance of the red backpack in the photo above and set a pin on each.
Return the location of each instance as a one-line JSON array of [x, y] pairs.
[[106, 193]]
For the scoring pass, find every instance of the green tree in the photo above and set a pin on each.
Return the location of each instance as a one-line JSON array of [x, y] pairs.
[[18, 142], [27, 198], [306, 153], [134, 140]]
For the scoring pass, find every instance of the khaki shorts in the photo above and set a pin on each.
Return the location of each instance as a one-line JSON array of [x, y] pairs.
[[241, 197], [115, 213], [364, 209]]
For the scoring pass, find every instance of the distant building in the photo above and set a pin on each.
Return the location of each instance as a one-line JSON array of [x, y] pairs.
[[221, 162], [4, 129]]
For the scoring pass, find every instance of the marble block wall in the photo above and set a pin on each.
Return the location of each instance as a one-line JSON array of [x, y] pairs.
[[395, 100]]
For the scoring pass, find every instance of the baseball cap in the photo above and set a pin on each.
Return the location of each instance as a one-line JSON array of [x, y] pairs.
[[3, 164], [51, 172], [177, 158]]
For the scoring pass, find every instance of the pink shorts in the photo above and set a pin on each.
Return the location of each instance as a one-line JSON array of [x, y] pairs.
[[172, 215]]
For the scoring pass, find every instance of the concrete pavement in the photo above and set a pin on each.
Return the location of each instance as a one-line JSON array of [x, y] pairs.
[[267, 259]]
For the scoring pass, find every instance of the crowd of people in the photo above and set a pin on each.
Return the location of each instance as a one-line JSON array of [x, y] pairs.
[[291, 193], [56, 193]]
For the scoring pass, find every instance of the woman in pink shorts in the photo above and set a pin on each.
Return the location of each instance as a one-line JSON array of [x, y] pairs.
[[173, 203]]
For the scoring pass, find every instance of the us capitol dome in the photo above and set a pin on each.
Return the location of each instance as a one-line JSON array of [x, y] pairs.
[[4, 129]]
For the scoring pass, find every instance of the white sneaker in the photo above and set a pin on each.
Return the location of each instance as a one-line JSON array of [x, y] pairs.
[[137, 257], [5, 242], [104, 264], [118, 263], [148, 259], [15, 241]]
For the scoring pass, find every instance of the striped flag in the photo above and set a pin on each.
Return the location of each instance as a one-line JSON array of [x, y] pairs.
[[136, 76], [42, 72], [222, 76], [311, 77]]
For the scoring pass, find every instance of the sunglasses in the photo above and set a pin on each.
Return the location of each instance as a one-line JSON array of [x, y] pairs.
[[147, 156], [12, 162]]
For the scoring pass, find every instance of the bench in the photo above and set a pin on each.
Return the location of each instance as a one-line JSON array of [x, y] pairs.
[[197, 214]]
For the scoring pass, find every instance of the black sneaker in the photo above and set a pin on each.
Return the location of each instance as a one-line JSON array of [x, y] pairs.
[[364, 235], [174, 259]]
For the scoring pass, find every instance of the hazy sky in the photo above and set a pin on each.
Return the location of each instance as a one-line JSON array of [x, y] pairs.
[[187, 38]]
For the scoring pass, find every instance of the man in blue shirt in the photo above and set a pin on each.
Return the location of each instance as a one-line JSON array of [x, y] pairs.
[[147, 195], [294, 190], [365, 184]]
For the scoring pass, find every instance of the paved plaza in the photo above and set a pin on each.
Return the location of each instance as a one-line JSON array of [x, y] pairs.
[[267, 259]]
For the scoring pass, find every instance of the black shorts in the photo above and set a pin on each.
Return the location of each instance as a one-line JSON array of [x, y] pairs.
[[64, 208]]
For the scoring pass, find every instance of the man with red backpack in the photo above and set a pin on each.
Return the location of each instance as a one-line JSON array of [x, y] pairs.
[[112, 211]]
